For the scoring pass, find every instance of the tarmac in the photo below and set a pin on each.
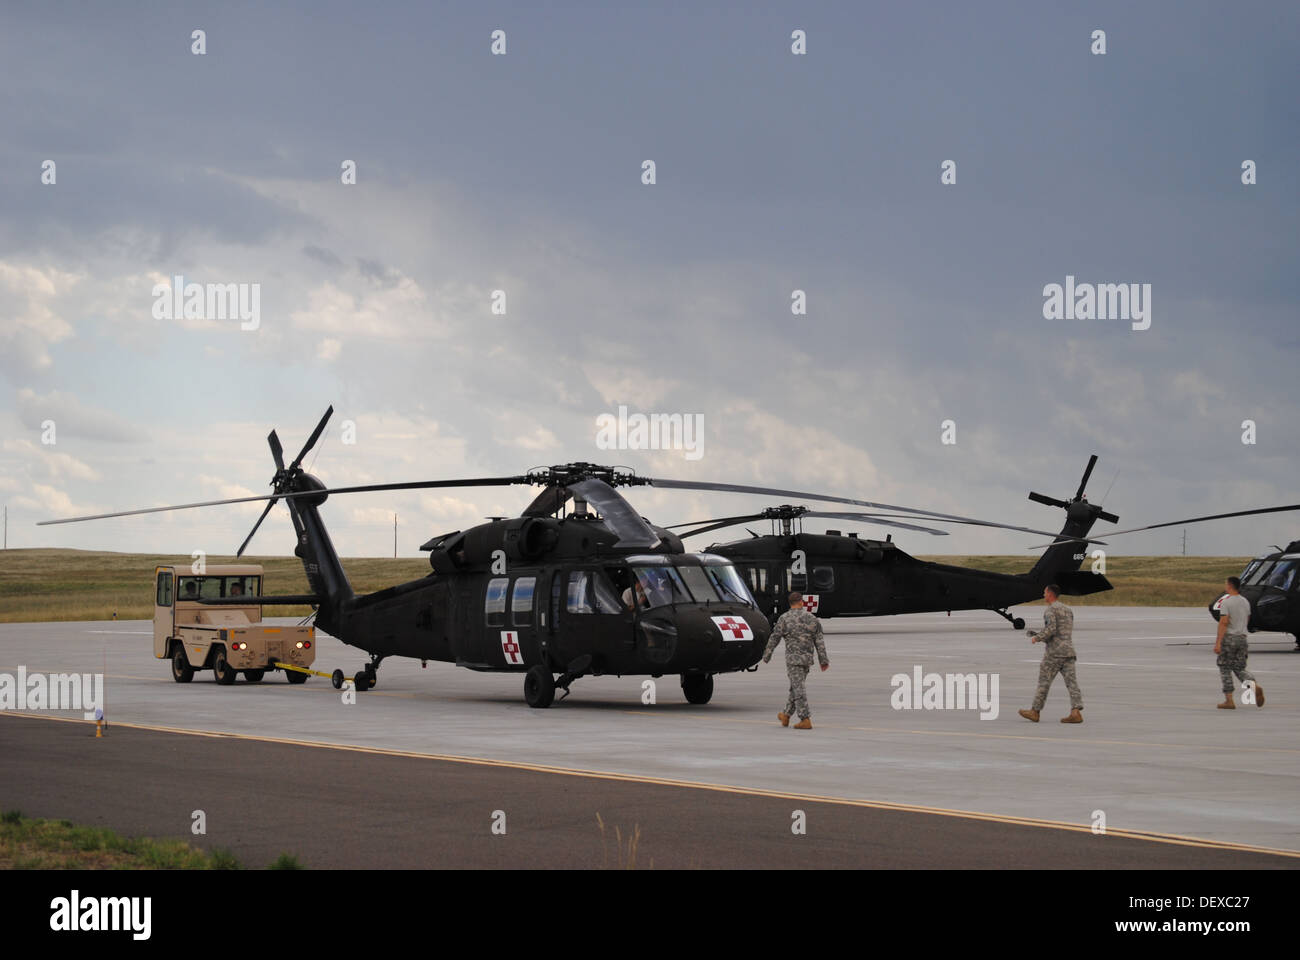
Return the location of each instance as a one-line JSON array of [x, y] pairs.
[[415, 771]]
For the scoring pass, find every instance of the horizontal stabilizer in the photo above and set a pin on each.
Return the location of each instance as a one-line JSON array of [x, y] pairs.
[[1079, 583]]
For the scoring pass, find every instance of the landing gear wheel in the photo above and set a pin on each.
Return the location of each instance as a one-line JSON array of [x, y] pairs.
[[255, 676], [539, 686], [221, 668], [295, 677], [182, 672], [361, 681], [337, 679], [371, 677], [697, 687], [1018, 623]]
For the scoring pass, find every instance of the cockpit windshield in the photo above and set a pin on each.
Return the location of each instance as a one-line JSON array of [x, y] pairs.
[[729, 583], [1259, 572]]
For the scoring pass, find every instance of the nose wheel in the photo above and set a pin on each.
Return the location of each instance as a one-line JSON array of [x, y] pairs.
[[1017, 623], [697, 687]]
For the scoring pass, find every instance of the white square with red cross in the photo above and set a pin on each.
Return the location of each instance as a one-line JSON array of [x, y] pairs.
[[510, 647], [733, 628], [811, 601]]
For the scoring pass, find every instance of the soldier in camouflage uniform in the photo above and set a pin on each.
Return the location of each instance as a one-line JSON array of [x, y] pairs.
[[1232, 647], [802, 633], [1059, 657]]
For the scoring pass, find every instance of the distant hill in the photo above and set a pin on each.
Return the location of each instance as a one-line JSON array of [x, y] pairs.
[[87, 585]]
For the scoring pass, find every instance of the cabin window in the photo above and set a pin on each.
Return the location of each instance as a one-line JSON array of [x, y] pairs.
[[494, 603], [164, 589], [521, 602], [1250, 568], [590, 591], [824, 578]]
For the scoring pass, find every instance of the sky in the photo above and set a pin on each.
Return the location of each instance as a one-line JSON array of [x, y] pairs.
[[523, 172]]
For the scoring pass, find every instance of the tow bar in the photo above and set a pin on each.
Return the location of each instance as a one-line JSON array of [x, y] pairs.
[[336, 678]]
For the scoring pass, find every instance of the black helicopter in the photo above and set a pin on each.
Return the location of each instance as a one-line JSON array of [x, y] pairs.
[[553, 591], [845, 576], [1271, 582]]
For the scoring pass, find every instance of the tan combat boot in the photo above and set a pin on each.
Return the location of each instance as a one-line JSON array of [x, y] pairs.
[[804, 724], [1074, 717], [784, 718], [1030, 715], [1227, 703], [1259, 695]]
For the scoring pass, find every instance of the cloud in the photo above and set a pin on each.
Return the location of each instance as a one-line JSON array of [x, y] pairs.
[[30, 317], [72, 418]]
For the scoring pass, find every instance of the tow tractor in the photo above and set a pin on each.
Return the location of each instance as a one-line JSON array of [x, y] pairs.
[[214, 620]]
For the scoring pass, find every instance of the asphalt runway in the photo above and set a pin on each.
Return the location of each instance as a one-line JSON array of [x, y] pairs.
[[1180, 784]]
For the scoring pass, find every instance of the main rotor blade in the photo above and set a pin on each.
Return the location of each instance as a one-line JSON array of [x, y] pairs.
[[315, 435], [877, 519], [1178, 523], [718, 525], [618, 514], [243, 546], [365, 488], [548, 501], [726, 520], [277, 451], [1086, 474], [798, 495]]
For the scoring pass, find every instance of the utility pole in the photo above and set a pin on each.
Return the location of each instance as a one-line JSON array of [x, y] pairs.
[[394, 536], [1184, 541], [6, 546]]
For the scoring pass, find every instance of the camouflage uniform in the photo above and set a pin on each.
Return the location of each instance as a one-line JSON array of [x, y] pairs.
[[802, 633], [1058, 637], [1233, 660]]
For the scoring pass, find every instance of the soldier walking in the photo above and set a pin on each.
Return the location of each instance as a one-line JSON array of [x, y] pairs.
[[1230, 644], [1059, 657], [802, 633]]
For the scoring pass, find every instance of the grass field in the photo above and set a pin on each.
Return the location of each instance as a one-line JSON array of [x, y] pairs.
[[40, 585]]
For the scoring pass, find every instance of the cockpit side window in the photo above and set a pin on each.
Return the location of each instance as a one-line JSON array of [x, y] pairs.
[[1282, 575], [661, 585]]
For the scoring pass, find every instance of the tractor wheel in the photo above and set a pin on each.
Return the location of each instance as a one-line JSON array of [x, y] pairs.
[[221, 668], [295, 677], [254, 676], [182, 672]]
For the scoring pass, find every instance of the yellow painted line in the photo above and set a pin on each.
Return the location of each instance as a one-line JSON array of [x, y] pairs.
[[1170, 838]]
